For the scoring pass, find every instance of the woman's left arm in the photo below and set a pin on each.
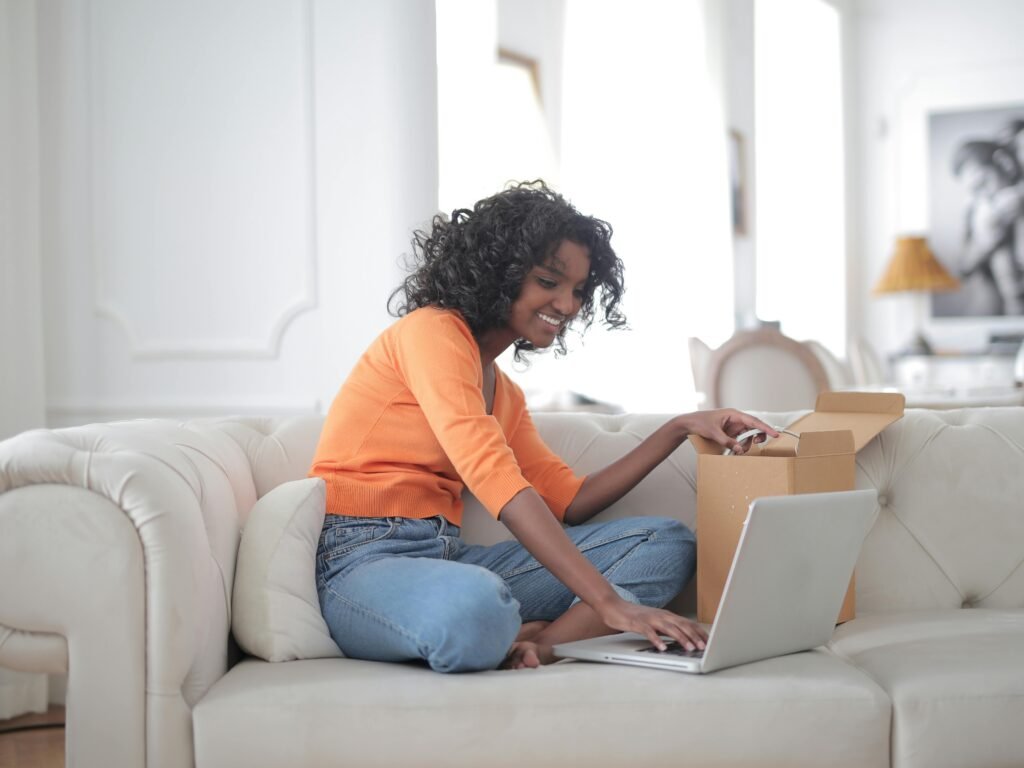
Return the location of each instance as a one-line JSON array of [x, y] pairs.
[[603, 488]]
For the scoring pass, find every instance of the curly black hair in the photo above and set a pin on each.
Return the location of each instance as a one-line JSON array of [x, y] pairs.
[[476, 260]]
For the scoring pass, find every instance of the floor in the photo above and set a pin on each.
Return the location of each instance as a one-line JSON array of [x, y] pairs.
[[38, 748]]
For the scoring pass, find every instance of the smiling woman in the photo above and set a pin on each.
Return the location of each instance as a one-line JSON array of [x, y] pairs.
[[426, 413]]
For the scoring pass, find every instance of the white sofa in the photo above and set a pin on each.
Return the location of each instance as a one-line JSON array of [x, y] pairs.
[[117, 553]]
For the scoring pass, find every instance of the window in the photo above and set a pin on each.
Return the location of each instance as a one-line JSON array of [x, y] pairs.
[[801, 260], [642, 146]]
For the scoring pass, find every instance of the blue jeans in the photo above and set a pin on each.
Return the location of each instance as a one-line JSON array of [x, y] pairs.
[[398, 589]]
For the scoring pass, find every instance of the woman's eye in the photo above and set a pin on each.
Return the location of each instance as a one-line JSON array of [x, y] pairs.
[[545, 283]]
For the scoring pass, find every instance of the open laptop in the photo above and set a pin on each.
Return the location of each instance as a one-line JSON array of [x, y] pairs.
[[788, 579]]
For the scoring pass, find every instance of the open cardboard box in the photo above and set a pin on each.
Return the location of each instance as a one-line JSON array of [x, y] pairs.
[[822, 459]]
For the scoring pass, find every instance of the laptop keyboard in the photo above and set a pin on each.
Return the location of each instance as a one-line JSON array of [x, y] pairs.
[[673, 648]]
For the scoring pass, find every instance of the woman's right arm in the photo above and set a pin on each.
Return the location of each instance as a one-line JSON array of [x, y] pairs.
[[531, 522]]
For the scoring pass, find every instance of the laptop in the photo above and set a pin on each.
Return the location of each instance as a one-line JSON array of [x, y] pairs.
[[786, 585]]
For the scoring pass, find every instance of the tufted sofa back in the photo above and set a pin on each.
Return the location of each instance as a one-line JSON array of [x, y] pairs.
[[950, 530]]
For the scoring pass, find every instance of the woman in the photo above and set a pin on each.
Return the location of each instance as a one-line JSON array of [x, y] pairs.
[[425, 411]]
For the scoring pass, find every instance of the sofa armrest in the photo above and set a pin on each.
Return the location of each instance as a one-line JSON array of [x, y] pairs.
[[121, 539], [73, 601]]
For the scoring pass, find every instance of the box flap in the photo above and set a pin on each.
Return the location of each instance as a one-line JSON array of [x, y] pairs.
[[861, 402], [829, 443], [865, 414], [825, 443], [782, 446]]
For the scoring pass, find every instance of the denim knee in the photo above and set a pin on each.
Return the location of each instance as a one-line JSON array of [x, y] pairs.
[[685, 543], [659, 568], [476, 624]]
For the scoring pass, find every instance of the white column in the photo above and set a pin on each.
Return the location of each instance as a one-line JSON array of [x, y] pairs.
[[22, 398], [376, 146]]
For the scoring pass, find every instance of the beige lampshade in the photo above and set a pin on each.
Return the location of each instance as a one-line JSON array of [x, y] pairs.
[[913, 267]]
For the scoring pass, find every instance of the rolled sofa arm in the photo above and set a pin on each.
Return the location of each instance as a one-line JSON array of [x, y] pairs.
[[117, 553]]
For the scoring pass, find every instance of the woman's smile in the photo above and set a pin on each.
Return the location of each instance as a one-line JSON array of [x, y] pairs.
[[551, 320]]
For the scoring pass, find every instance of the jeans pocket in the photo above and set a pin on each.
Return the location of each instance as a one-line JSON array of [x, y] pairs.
[[347, 533]]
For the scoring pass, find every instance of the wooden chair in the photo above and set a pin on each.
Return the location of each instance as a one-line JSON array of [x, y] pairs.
[[764, 370], [868, 370], [839, 372], [700, 355]]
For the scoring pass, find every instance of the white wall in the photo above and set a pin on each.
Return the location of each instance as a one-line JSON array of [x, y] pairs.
[[226, 188], [219, 230], [912, 55]]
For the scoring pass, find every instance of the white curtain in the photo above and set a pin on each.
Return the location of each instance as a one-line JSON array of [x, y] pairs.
[[21, 692], [22, 390]]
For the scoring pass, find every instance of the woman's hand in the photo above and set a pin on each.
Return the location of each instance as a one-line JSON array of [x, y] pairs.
[[652, 623], [723, 425]]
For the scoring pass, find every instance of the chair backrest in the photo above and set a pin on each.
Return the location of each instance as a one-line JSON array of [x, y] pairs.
[[764, 370], [868, 369], [700, 356], [840, 374]]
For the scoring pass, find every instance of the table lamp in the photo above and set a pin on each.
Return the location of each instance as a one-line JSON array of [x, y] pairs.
[[914, 269]]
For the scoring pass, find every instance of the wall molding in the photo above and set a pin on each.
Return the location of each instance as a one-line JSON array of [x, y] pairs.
[[208, 349], [141, 348]]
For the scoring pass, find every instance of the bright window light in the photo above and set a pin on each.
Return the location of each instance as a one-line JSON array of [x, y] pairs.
[[801, 260], [643, 147]]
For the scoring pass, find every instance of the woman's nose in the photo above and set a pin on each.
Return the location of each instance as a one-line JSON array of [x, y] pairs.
[[566, 303]]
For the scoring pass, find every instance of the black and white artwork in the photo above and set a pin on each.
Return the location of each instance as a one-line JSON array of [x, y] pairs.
[[976, 209]]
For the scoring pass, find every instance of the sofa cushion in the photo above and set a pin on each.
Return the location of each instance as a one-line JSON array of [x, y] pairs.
[[275, 610], [956, 680], [806, 709]]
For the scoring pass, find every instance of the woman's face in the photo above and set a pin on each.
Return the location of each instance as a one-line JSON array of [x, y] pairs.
[[551, 295]]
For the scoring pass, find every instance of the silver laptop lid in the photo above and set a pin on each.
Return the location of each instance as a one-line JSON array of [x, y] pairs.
[[790, 574]]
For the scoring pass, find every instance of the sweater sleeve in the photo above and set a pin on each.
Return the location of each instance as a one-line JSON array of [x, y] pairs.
[[438, 359], [553, 479]]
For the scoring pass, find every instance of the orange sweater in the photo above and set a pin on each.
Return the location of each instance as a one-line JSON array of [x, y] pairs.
[[409, 429]]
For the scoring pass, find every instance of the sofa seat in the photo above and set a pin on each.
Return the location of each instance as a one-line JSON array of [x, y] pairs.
[[810, 709], [956, 680]]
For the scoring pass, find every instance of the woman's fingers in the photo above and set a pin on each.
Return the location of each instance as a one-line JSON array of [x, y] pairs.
[[736, 424], [689, 635], [686, 635], [654, 638], [752, 422]]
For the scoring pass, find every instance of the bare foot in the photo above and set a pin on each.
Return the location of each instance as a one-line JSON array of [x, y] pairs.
[[527, 655], [529, 629]]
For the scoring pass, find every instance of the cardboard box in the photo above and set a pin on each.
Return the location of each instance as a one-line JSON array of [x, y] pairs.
[[822, 459]]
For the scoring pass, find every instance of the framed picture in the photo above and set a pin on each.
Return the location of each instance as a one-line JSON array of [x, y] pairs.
[[737, 182], [976, 209], [959, 162]]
